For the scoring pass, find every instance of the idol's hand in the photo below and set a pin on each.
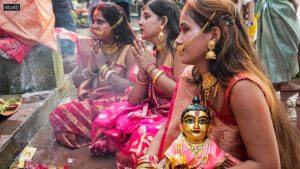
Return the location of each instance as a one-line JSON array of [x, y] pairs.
[[142, 56], [98, 58]]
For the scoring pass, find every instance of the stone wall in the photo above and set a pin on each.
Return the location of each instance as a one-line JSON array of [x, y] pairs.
[[41, 70]]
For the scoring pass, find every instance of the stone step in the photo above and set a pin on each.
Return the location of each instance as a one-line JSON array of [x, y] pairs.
[[50, 153], [17, 130]]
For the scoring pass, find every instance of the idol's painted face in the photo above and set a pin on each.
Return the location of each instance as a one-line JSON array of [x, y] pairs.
[[195, 126]]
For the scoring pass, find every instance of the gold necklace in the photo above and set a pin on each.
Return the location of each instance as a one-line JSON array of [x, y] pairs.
[[208, 82], [110, 49], [196, 149]]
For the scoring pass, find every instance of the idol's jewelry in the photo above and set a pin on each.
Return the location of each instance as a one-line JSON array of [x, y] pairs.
[[208, 82], [196, 150], [180, 48], [211, 54], [161, 47], [161, 36], [98, 32], [157, 76]]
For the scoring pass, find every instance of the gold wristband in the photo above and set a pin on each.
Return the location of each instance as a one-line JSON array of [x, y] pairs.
[[105, 70], [157, 76], [103, 67]]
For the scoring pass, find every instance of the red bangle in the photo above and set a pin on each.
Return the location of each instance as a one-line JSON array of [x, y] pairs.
[[139, 81], [150, 65], [152, 70]]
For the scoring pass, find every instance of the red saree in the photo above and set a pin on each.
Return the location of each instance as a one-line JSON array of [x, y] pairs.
[[225, 131], [129, 129], [72, 122]]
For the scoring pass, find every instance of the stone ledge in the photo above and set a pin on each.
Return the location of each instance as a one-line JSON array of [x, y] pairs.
[[18, 129]]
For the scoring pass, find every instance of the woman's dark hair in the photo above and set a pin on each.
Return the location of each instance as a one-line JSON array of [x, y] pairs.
[[169, 9], [112, 13], [235, 53], [195, 106]]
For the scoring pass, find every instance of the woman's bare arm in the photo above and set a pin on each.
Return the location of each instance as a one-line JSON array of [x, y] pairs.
[[255, 125]]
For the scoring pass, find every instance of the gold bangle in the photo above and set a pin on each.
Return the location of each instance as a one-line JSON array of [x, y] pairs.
[[103, 73], [102, 68], [157, 76], [101, 79]]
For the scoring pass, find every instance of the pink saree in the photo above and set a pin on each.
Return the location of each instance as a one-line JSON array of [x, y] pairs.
[[72, 122], [129, 129], [225, 132]]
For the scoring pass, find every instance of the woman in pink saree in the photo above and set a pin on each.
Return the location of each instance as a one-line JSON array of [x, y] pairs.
[[248, 120], [128, 127], [102, 81]]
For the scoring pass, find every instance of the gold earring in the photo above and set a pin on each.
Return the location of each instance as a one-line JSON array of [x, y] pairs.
[[161, 36], [211, 54]]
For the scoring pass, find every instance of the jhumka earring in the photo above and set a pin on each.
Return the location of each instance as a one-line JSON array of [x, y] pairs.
[[161, 36], [211, 54]]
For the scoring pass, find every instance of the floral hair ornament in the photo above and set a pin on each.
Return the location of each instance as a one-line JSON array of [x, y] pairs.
[[180, 48]]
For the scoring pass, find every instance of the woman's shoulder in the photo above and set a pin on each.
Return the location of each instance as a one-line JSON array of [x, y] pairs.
[[243, 79], [245, 82], [187, 72]]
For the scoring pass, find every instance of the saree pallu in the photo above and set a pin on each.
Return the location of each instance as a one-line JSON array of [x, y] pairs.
[[12, 48], [129, 129], [278, 39], [72, 122], [224, 129]]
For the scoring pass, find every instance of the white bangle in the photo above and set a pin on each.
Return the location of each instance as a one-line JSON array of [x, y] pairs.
[[108, 73], [83, 74]]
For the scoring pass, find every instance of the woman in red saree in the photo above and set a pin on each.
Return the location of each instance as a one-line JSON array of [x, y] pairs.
[[248, 120], [128, 127], [102, 82]]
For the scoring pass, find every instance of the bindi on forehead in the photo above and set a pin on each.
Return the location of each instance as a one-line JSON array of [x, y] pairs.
[[197, 113]]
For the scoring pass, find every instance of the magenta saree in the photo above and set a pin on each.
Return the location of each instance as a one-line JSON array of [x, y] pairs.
[[72, 122], [129, 129]]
